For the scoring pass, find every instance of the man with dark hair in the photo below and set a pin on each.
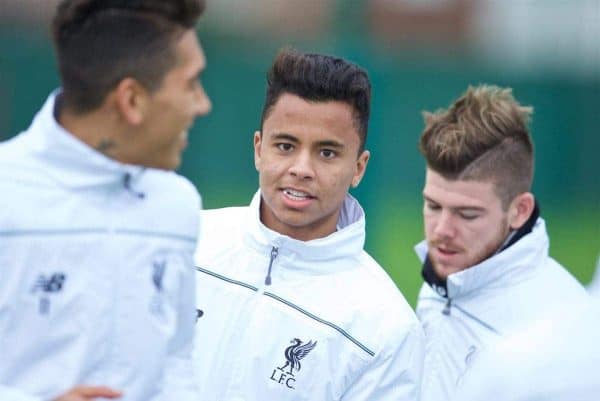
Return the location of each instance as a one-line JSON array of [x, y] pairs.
[[485, 257], [96, 233], [292, 307]]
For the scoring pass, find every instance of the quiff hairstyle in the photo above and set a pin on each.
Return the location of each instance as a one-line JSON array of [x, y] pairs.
[[98, 43], [320, 78], [482, 136]]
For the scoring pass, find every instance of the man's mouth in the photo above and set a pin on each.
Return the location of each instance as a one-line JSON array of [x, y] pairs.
[[444, 249], [295, 194]]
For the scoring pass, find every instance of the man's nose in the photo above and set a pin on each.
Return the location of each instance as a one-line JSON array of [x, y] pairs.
[[203, 103], [444, 226], [302, 166]]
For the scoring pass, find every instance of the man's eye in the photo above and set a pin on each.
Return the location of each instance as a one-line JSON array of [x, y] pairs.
[[328, 153], [468, 216], [285, 147]]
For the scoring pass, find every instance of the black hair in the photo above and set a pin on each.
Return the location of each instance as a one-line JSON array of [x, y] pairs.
[[318, 77], [100, 42]]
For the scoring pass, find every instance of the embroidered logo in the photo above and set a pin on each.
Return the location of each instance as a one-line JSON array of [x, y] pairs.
[[48, 285], [284, 375], [158, 272], [471, 354]]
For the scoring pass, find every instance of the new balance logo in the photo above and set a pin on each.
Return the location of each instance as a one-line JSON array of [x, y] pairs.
[[48, 285], [293, 355], [54, 283]]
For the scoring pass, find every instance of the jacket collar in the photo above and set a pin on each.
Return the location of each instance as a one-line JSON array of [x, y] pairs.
[[516, 257], [347, 242], [71, 162]]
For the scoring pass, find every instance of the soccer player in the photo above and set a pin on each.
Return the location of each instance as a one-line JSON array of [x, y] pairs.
[[485, 257], [96, 233], [290, 305]]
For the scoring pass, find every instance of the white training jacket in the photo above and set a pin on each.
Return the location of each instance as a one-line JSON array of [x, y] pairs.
[[96, 276], [486, 302], [331, 325], [554, 359]]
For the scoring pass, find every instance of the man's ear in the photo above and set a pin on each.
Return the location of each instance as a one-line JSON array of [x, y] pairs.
[[361, 167], [257, 145], [520, 210], [132, 101]]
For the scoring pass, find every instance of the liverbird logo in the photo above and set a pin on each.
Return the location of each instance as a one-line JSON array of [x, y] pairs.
[[158, 273], [293, 355]]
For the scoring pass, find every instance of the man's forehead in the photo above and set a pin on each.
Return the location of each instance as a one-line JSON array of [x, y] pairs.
[[190, 52], [459, 193]]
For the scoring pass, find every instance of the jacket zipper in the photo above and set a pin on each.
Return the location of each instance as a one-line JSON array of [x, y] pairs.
[[446, 310], [274, 252]]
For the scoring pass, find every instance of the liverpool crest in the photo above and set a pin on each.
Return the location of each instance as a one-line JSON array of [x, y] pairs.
[[293, 355]]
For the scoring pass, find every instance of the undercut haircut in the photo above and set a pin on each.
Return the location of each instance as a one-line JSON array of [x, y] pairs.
[[482, 136], [320, 78], [99, 43]]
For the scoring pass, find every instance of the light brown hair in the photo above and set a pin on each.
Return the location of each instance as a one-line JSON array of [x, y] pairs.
[[482, 136]]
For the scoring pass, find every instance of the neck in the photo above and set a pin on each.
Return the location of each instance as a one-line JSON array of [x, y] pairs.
[[306, 232], [93, 128]]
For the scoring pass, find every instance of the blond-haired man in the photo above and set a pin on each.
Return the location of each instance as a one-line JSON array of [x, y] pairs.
[[485, 257]]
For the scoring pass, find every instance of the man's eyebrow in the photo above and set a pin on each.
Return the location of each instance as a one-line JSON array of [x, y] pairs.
[[457, 208], [282, 136], [330, 144]]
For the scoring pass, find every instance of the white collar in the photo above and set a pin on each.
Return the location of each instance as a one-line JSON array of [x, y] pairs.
[[347, 242]]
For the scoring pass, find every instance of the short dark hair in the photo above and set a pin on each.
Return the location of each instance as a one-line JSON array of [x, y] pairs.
[[482, 136], [100, 42], [320, 78]]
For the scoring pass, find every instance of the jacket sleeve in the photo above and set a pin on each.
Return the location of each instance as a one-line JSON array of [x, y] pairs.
[[179, 383], [396, 371], [12, 394]]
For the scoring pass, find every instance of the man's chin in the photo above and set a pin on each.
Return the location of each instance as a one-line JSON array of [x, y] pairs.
[[444, 270]]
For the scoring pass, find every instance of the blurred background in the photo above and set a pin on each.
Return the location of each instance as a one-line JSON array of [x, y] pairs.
[[420, 54]]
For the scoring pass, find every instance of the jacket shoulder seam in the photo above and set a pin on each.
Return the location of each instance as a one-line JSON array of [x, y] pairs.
[[291, 305]]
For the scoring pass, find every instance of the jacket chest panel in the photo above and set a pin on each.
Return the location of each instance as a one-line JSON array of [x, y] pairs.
[[454, 339], [73, 288], [255, 338]]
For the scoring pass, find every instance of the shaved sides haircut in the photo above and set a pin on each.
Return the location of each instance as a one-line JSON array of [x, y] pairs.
[[482, 136]]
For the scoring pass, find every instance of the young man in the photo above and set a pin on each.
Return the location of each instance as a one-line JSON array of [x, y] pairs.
[[96, 233], [291, 306], [485, 257]]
